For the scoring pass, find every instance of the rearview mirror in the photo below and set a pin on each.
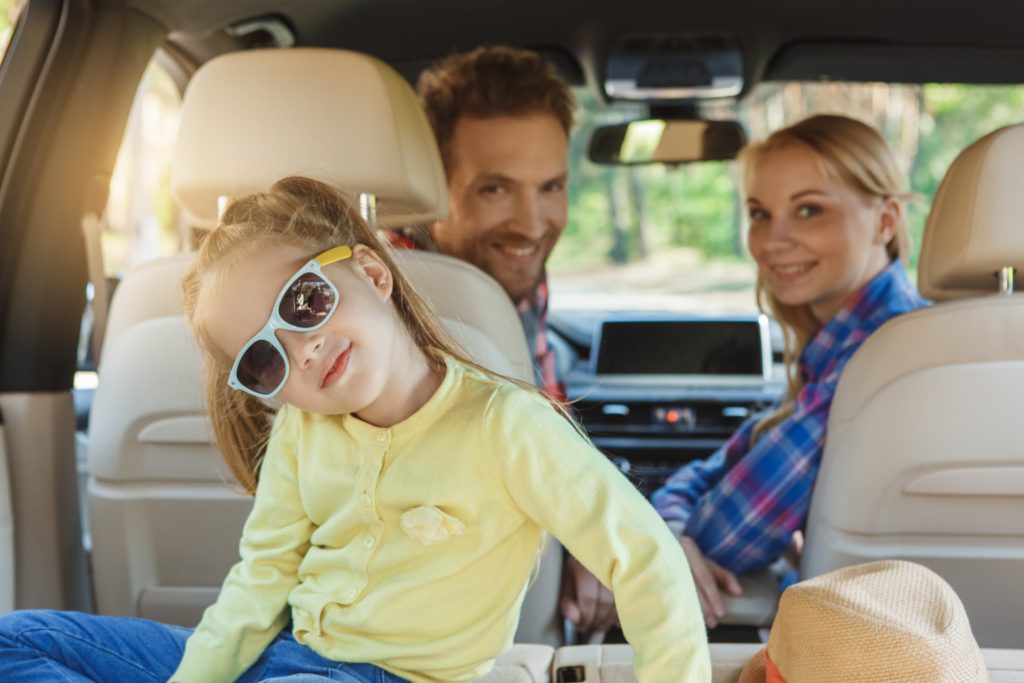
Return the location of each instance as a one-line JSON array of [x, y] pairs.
[[669, 141]]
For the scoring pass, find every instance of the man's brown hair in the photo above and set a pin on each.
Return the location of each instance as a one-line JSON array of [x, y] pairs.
[[489, 82]]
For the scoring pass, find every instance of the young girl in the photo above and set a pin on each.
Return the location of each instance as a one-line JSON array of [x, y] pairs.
[[827, 230], [401, 491]]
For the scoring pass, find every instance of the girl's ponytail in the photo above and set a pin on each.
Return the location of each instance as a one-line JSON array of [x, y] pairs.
[[241, 423], [241, 427]]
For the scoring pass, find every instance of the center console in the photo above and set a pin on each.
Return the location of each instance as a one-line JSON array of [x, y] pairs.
[[658, 392]]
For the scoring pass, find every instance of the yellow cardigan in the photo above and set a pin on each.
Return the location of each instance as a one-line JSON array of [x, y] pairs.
[[411, 547]]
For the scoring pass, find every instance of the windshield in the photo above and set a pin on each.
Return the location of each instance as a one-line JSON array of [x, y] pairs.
[[661, 238]]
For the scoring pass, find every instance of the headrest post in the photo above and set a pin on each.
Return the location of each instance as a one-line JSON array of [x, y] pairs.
[[1006, 280], [973, 231], [222, 205], [368, 209]]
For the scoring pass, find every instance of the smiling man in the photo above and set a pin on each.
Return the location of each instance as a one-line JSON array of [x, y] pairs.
[[502, 118]]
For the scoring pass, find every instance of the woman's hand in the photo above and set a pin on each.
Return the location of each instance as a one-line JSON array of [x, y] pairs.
[[585, 601], [709, 577]]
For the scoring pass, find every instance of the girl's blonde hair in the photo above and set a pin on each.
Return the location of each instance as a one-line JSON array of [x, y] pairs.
[[857, 155], [307, 213]]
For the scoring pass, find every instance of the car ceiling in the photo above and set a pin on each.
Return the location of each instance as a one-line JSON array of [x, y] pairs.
[[909, 41]]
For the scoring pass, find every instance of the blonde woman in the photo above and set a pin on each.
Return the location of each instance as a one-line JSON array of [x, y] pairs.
[[827, 230]]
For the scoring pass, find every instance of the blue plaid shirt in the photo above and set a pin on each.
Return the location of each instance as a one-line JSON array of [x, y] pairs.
[[742, 504]]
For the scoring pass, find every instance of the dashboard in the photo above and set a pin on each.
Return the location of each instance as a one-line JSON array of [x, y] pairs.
[[656, 391]]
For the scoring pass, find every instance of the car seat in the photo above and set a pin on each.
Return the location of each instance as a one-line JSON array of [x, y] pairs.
[[924, 459]]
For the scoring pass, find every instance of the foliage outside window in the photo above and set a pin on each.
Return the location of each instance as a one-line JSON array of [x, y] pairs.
[[10, 10]]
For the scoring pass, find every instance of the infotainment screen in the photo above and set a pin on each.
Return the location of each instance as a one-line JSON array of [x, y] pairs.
[[683, 347]]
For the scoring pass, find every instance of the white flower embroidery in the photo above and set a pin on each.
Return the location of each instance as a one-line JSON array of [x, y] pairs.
[[429, 525]]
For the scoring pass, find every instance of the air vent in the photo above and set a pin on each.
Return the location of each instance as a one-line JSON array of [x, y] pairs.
[[708, 418]]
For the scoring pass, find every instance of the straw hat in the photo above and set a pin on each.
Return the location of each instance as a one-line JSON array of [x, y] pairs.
[[889, 621]]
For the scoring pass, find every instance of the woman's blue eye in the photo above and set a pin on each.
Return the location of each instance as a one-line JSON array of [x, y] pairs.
[[808, 210], [758, 215]]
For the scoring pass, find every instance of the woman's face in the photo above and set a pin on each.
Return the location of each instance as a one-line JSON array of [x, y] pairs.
[[815, 239]]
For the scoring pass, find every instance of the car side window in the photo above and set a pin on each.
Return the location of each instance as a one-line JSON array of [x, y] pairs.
[[141, 221], [10, 10]]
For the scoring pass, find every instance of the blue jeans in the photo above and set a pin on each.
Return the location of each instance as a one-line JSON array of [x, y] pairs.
[[71, 647]]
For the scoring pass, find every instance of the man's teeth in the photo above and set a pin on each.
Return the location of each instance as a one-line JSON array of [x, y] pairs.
[[791, 270], [519, 251]]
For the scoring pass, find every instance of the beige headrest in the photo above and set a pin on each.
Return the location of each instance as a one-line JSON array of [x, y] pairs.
[[347, 119], [974, 228]]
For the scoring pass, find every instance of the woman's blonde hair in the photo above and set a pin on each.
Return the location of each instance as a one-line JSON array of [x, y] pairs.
[[857, 155], [302, 212]]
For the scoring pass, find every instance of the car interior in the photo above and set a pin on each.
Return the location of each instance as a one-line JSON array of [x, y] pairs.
[[152, 470], [113, 498]]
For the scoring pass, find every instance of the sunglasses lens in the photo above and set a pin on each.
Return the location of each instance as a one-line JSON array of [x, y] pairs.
[[308, 301], [261, 368]]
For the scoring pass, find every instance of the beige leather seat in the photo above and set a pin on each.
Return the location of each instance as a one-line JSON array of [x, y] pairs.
[[165, 517], [614, 663], [925, 453]]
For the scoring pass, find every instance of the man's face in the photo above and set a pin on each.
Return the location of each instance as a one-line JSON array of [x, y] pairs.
[[507, 197]]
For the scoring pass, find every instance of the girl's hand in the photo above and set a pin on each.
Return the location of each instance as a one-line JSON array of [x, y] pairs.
[[709, 577]]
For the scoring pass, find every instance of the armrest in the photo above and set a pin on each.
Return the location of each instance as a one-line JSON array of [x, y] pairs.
[[756, 607], [522, 664], [614, 663]]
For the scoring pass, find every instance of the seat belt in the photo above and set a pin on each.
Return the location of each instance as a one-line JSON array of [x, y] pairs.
[[92, 229], [7, 569]]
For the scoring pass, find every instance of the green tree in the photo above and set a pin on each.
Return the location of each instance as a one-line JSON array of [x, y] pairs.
[[954, 116]]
